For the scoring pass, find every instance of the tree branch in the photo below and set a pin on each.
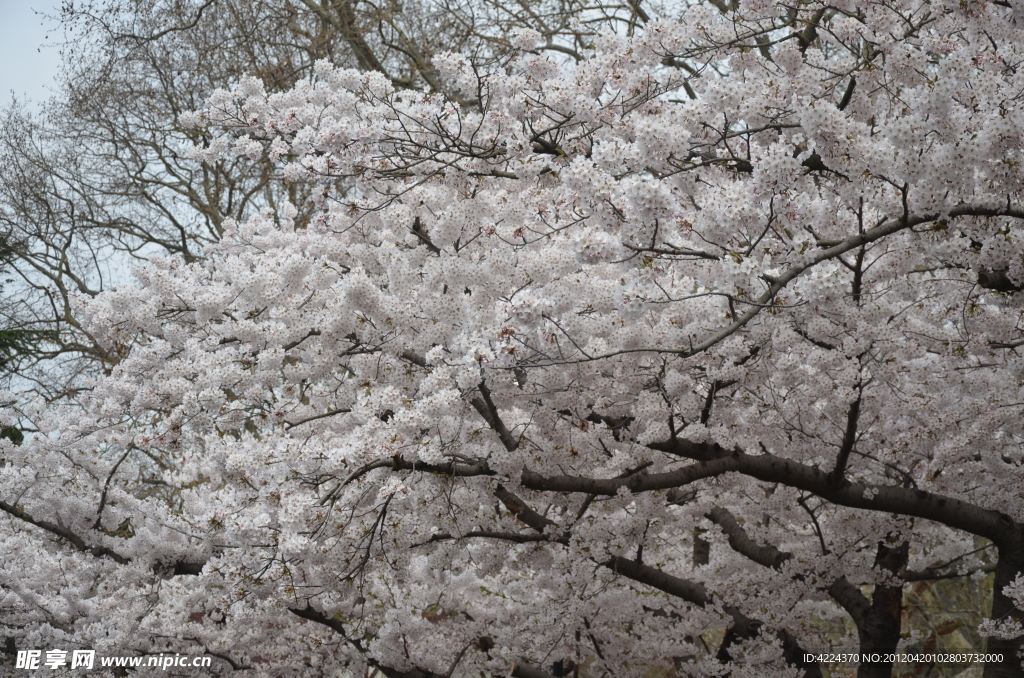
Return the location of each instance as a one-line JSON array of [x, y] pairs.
[[740, 541], [65, 534], [485, 406], [849, 439], [853, 242], [521, 669], [713, 461]]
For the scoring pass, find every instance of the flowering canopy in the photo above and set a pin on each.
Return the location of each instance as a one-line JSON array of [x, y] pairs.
[[753, 275]]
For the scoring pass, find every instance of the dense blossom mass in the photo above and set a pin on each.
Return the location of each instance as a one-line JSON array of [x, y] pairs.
[[752, 279]]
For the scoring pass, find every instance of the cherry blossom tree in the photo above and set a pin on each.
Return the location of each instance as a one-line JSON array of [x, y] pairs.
[[575, 363], [94, 180]]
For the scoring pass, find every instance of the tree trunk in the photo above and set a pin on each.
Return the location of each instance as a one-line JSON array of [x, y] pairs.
[[1009, 567], [879, 630]]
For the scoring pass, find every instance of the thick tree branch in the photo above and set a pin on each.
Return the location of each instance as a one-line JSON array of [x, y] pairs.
[[713, 461], [181, 567], [740, 541], [849, 440], [485, 406], [524, 513], [877, 620], [65, 534], [842, 591], [742, 627], [523, 670]]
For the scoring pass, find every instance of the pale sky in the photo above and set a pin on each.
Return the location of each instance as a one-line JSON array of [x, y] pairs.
[[28, 61]]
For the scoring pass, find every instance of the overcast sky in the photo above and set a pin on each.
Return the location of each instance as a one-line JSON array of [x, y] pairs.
[[28, 61]]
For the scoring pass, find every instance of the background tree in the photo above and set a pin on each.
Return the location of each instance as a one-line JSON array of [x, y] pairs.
[[97, 182]]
